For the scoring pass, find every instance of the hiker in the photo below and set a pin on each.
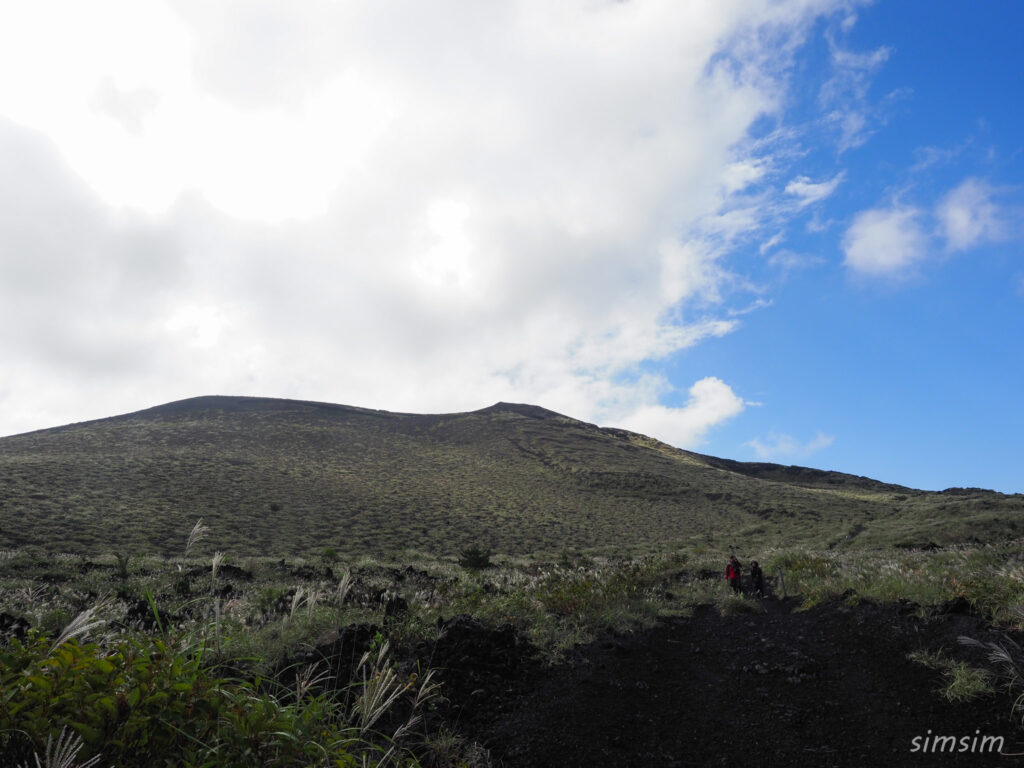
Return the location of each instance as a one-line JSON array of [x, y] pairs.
[[757, 579], [734, 574]]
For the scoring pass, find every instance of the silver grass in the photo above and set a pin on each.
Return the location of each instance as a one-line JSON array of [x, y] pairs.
[[426, 691], [381, 687], [344, 586], [309, 678], [30, 595], [79, 626], [997, 654], [297, 599], [1008, 663], [198, 532], [218, 558], [63, 753]]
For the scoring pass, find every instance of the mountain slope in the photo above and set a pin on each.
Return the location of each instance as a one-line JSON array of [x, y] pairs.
[[281, 476]]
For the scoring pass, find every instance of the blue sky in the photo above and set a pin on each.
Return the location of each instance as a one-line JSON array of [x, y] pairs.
[[911, 372], [769, 230]]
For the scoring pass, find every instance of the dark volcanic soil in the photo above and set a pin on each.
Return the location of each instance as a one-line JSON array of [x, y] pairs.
[[830, 686]]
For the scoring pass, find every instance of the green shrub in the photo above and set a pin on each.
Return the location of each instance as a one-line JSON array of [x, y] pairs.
[[475, 559], [141, 702]]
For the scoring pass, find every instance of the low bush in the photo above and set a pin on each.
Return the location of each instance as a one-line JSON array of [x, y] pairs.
[[144, 702], [475, 559]]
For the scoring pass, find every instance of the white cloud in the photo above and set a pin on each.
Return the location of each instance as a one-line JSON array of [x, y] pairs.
[[790, 261], [884, 242], [891, 241], [753, 307], [816, 224], [407, 206], [808, 192], [129, 108], [782, 446], [774, 240], [928, 157], [711, 402], [845, 95], [968, 216], [265, 54]]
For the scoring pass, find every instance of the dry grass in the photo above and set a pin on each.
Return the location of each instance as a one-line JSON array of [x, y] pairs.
[[282, 478]]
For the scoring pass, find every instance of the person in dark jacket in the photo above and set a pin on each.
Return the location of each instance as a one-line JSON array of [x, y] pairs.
[[757, 579], [734, 574]]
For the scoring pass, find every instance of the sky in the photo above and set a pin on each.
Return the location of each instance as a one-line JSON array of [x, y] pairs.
[[765, 230]]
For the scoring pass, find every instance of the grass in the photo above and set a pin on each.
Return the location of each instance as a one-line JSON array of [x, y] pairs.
[[988, 576], [736, 605], [236, 624], [303, 478], [136, 701], [513, 515], [261, 624], [961, 681], [80, 679]]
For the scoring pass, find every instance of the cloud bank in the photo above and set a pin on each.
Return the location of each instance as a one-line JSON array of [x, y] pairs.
[[406, 206]]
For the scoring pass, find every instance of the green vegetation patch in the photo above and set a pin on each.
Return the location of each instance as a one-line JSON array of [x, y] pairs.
[[291, 478], [961, 681]]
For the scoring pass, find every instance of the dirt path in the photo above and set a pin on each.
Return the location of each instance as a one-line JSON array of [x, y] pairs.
[[829, 686]]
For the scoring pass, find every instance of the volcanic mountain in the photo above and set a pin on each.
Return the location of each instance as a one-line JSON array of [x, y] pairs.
[[276, 477]]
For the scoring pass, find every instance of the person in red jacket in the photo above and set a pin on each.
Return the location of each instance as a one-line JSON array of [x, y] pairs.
[[734, 574]]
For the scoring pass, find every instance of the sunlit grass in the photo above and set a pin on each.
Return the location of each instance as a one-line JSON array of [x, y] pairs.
[[960, 681], [295, 479]]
